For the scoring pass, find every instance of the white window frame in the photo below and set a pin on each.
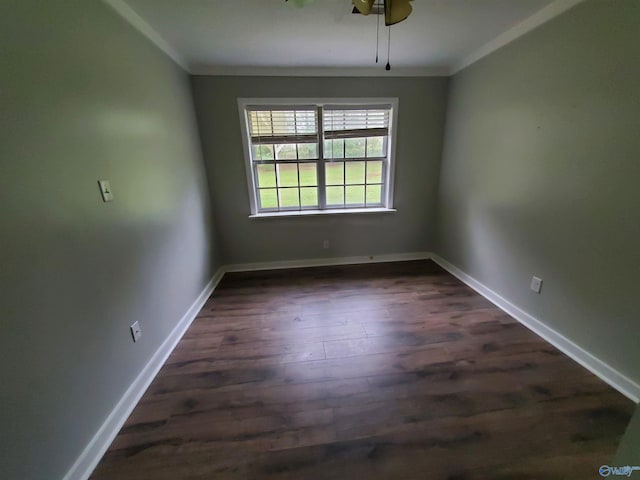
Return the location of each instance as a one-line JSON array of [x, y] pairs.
[[387, 200]]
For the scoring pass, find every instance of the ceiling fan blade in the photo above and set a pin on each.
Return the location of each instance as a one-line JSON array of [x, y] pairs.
[[396, 11], [363, 6]]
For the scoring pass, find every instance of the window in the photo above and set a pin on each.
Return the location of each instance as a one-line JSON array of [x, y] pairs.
[[306, 157]]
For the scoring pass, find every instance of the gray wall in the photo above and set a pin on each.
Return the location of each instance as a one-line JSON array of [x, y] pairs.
[[629, 449], [84, 97], [540, 176], [410, 229]]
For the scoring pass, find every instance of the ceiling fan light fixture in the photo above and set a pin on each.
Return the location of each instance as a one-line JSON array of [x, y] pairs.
[[364, 6], [394, 11]]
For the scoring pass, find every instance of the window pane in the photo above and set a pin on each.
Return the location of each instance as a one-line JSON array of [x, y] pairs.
[[283, 122], [355, 172], [262, 152], [286, 151], [264, 125], [309, 197], [334, 148], [374, 172], [308, 174], [289, 197], [266, 176], [375, 147], [260, 123], [355, 195], [306, 121], [374, 194], [307, 150], [335, 195], [334, 173], [354, 147], [336, 119], [268, 198], [287, 174]]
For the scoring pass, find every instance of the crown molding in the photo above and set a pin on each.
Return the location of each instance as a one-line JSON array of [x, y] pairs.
[[541, 16], [320, 71], [140, 24]]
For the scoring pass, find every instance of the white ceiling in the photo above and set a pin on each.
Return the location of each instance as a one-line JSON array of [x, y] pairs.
[[222, 35]]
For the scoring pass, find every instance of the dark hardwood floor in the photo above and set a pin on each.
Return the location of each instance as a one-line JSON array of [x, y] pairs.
[[387, 371]]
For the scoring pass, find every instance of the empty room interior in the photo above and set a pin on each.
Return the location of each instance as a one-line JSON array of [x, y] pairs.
[[319, 239]]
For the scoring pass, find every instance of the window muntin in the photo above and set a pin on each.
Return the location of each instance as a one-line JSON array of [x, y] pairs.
[[318, 157], [284, 156], [356, 145]]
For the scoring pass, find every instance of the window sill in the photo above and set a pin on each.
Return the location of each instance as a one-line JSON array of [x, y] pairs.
[[306, 213]]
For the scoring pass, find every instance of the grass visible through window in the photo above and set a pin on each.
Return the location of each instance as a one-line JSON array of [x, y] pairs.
[[290, 178]]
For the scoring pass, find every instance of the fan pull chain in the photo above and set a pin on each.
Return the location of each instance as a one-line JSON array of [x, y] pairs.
[[388, 66], [377, 36]]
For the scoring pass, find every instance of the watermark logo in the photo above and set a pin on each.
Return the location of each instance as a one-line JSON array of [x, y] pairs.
[[626, 471]]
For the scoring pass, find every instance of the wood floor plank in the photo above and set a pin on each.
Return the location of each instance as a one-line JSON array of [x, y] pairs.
[[373, 371], [309, 334]]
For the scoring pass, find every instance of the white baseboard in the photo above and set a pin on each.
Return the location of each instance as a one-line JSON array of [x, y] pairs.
[[91, 455], [610, 375], [325, 262]]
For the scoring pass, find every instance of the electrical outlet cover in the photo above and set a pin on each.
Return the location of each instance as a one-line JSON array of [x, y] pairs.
[[536, 284]]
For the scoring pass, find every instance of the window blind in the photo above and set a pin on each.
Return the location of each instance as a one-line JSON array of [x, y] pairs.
[[355, 122], [272, 125]]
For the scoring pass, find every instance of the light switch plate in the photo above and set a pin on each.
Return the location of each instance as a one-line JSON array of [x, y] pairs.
[[105, 190], [536, 284], [136, 331]]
